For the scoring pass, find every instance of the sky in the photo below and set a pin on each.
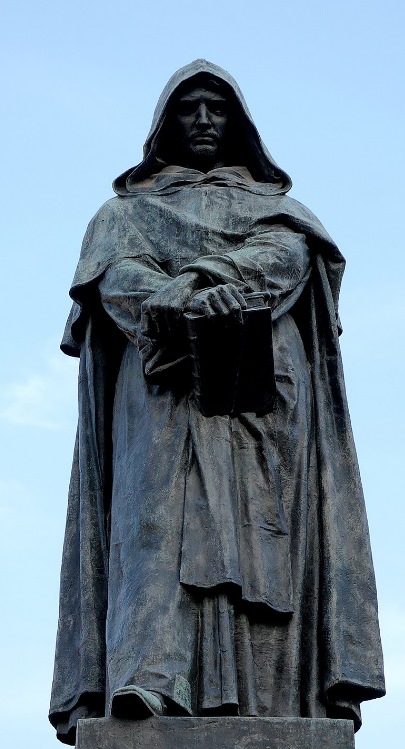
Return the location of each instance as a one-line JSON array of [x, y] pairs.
[[324, 82]]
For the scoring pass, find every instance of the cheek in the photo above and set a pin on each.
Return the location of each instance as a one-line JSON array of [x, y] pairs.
[[222, 129], [184, 128]]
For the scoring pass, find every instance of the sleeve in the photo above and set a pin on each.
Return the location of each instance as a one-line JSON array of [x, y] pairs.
[[274, 261], [123, 288]]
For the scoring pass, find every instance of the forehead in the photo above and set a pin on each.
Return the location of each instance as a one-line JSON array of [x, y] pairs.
[[203, 87], [201, 92]]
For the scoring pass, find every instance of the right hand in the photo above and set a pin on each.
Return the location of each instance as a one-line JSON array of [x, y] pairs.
[[163, 310]]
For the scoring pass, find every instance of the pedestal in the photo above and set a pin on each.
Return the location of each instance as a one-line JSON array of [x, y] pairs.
[[215, 733]]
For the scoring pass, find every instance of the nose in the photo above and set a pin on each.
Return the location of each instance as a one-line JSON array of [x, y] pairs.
[[202, 118]]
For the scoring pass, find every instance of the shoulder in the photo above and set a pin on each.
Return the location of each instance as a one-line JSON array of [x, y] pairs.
[[108, 220], [111, 209], [305, 219], [299, 210]]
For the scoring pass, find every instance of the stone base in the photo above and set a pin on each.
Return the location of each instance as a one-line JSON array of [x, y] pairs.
[[215, 733]]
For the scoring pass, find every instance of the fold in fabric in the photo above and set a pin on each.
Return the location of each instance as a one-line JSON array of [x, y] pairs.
[[235, 531], [275, 501]]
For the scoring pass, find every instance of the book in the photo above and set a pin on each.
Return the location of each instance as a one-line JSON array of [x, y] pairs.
[[232, 360]]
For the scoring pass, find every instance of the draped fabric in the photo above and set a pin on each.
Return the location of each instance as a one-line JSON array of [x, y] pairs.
[[223, 562]]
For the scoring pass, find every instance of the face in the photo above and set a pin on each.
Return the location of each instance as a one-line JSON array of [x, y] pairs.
[[201, 116]]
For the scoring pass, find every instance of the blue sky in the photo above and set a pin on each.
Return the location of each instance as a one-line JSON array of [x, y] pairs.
[[324, 82]]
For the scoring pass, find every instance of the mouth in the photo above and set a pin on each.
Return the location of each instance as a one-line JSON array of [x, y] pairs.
[[203, 139]]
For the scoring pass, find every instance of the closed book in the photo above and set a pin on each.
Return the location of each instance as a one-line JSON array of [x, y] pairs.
[[232, 360]]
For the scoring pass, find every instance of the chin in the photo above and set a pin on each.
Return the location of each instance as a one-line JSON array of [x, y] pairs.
[[204, 149]]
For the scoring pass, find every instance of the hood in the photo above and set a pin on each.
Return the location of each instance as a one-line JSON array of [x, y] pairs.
[[254, 153]]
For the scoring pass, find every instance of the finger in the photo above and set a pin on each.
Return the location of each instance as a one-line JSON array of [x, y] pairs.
[[229, 300], [154, 314], [219, 303], [157, 319], [201, 305], [148, 325], [164, 317], [236, 294], [214, 302]]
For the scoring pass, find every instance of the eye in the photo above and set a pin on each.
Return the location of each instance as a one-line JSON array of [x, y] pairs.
[[186, 108], [218, 109]]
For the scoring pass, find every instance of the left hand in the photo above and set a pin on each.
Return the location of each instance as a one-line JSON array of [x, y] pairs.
[[218, 300]]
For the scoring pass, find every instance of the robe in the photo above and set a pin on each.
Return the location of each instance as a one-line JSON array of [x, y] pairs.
[[221, 561]]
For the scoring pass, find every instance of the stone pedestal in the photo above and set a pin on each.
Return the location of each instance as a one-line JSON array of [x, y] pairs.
[[215, 733]]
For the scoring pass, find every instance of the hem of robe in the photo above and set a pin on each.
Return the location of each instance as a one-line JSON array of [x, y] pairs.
[[66, 723], [169, 696], [234, 591], [339, 706], [88, 705], [360, 692]]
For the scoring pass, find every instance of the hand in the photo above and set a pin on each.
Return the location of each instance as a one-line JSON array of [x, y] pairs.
[[218, 300], [163, 311]]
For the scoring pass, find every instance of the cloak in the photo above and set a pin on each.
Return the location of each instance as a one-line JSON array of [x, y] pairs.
[[225, 561]]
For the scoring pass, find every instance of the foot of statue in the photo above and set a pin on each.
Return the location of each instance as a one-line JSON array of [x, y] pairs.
[[135, 703]]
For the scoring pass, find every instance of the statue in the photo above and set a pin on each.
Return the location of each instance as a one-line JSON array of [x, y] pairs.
[[213, 564]]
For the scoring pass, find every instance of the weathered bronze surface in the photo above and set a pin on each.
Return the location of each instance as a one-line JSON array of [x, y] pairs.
[[216, 558], [221, 733]]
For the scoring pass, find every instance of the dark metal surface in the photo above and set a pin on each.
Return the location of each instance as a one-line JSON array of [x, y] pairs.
[[221, 562], [222, 733]]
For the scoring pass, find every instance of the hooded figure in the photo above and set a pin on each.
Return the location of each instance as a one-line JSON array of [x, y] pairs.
[[211, 565]]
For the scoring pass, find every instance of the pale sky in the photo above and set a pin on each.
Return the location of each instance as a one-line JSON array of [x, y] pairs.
[[325, 84]]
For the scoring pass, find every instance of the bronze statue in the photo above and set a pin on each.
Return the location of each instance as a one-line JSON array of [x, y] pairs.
[[213, 564]]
